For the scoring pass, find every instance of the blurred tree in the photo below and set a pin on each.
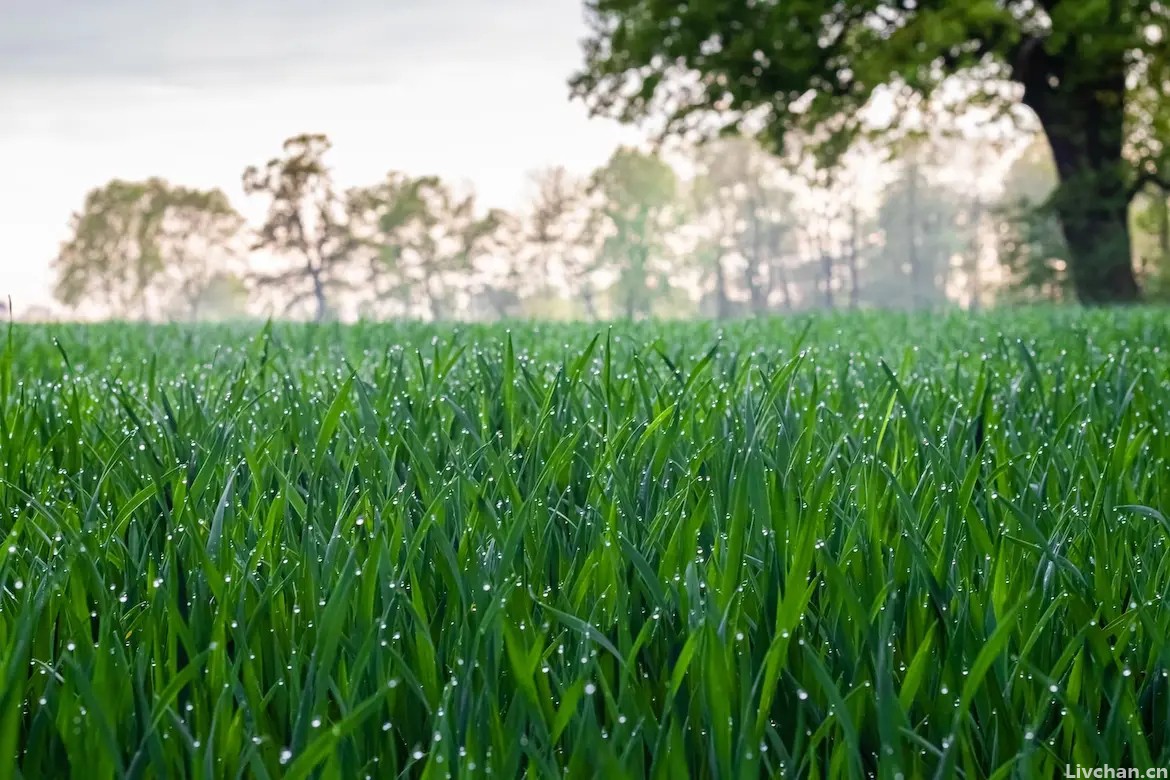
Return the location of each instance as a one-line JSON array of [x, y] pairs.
[[222, 296], [817, 275], [635, 196], [918, 219], [970, 167], [1030, 243], [562, 237], [137, 245], [1151, 214], [835, 232], [388, 221], [557, 199], [1151, 224], [456, 239], [306, 226], [202, 236], [428, 241], [821, 251], [502, 274], [741, 199], [816, 66]]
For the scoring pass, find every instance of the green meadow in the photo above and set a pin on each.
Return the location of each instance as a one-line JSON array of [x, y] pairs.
[[867, 545]]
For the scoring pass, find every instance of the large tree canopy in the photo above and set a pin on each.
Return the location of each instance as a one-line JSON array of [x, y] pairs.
[[1092, 71]]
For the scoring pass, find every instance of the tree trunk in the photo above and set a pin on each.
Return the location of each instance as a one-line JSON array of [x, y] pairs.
[[854, 271], [1100, 250], [588, 302], [722, 307], [975, 248], [912, 234], [824, 280], [1164, 229], [785, 290], [827, 275], [319, 296], [759, 297], [1084, 124]]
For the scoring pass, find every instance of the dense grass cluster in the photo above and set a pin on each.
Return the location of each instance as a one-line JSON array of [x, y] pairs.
[[875, 545]]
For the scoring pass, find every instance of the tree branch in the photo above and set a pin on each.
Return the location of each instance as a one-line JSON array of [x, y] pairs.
[[1146, 178]]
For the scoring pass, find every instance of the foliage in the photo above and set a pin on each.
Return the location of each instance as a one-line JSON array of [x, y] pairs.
[[561, 234], [1031, 246], [390, 218], [427, 236], [1151, 227], [636, 201], [816, 68], [848, 546], [723, 229], [223, 296], [745, 210], [919, 221], [839, 236], [135, 244], [306, 224]]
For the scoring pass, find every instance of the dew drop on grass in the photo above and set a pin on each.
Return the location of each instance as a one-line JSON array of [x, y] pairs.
[[285, 756]]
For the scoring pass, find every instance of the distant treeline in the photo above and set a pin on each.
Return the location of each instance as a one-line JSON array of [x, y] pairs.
[[741, 232]]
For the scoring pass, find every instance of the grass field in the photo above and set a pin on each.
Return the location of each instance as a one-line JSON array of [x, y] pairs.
[[868, 545]]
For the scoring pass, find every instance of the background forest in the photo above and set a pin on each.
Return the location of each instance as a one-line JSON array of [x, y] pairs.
[[719, 230]]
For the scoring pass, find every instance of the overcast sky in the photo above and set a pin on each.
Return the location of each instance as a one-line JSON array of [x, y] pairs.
[[196, 91]]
